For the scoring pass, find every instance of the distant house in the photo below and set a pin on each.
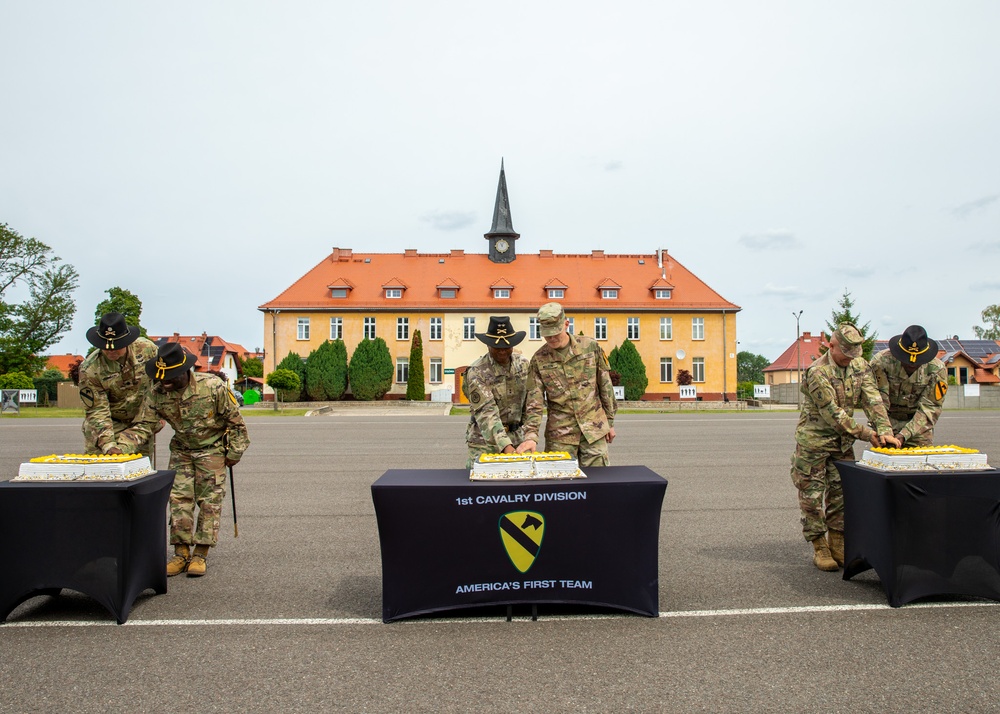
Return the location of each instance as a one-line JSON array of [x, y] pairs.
[[62, 362], [795, 360], [968, 361], [213, 353]]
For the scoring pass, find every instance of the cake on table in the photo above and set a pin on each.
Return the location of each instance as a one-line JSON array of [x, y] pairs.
[[85, 467], [924, 458], [532, 465]]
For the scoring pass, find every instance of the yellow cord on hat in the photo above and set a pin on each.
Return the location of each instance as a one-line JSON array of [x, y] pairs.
[[913, 351], [162, 367]]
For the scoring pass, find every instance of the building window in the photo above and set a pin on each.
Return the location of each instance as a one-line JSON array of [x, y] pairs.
[[468, 328], [303, 332], [600, 328], [393, 293], [662, 294], [533, 332], [436, 372], [436, 328], [402, 328], [609, 293], [571, 329], [447, 293], [402, 369], [666, 369], [556, 293], [697, 328], [632, 328], [698, 369], [369, 328], [666, 328], [338, 292], [501, 293], [336, 328]]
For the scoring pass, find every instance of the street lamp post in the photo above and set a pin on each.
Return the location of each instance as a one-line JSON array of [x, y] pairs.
[[798, 359]]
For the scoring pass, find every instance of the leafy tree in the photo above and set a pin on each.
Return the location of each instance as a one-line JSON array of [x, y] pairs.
[[845, 313], [47, 385], [284, 382], [370, 370], [338, 379], [991, 316], [321, 372], [74, 370], [16, 380], [626, 360], [29, 328], [415, 378], [253, 367], [125, 302], [294, 363], [750, 367], [684, 377]]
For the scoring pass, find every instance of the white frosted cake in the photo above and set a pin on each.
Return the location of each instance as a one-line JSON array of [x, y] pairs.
[[925, 458], [533, 465], [84, 467]]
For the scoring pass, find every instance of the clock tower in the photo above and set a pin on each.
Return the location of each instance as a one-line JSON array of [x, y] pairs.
[[502, 236]]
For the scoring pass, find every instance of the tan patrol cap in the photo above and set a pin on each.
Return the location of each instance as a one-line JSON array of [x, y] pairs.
[[551, 319], [850, 339]]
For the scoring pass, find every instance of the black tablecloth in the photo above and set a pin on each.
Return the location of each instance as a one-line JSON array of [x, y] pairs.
[[924, 533], [448, 542], [105, 539]]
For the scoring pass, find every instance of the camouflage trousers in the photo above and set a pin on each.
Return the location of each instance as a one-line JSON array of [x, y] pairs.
[[588, 453], [821, 496], [90, 438], [200, 481], [479, 446]]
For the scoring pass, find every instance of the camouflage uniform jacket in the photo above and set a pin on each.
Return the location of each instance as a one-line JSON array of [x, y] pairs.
[[113, 391], [201, 414], [913, 401], [832, 394], [577, 391], [496, 401]]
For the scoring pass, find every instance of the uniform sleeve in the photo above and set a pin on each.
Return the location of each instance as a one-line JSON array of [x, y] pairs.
[[872, 403], [819, 388], [237, 437], [147, 423], [534, 402], [606, 390], [486, 412], [97, 413], [929, 406], [881, 381]]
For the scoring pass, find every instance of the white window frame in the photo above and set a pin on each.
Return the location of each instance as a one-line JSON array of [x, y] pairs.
[[697, 328], [336, 328], [436, 370], [668, 376], [468, 328], [302, 329], [448, 293], [402, 369], [393, 293], [662, 294], [600, 328], [698, 365], [338, 293], [402, 328], [557, 293], [632, 328], [369, 328], [501, 293], [609, 293], [534, 331], [436, 329], [666, 328], [571, 328]]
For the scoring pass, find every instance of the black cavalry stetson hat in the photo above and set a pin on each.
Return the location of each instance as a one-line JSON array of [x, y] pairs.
[[913, 347], [111, 333], [171, 362], [500, 334]]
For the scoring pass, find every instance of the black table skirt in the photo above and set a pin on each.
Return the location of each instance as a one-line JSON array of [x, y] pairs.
[[451, 543], [104, 539], [924, 533]]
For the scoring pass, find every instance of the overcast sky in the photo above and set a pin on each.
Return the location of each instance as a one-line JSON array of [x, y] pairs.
[[206, 155]]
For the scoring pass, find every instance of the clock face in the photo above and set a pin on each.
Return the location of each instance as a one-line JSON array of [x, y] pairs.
[[502, 246]]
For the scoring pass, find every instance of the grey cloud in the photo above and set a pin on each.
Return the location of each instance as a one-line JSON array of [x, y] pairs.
[[613, 166], [967, 209], [781, 290], [449, 220], [856, 271], [991, 285], [986, 246], [777, 240]]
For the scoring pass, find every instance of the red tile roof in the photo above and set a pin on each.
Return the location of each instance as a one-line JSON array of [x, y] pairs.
[[984, 376], [808, 352], [208, 349], [61, 362], [473, 274]]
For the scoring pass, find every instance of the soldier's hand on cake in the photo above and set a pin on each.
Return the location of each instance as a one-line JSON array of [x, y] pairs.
[[114, 450], [890, 440], [528, 445]]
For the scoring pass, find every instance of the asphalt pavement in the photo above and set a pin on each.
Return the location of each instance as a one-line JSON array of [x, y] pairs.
[[288, 618]]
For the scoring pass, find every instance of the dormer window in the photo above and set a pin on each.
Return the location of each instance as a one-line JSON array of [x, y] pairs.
[[448, 293], [338, 292], [609, 293], [501, 293], [393, 293], [556, 293], [662, 294]]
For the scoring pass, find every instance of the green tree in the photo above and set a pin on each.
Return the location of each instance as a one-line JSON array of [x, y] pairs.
[[750, 367], [29, 328], [320, 367], [294, 363], [125, 302], [47, 385], [338, 380], [16, 380], [845, 313], [991, 316], [626, 360], [284, 382], [253, 367], [370, 370], [415, 377]]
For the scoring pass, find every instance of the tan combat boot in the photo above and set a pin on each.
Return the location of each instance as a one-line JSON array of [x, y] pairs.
[[836, 539], [821, 557], [179, 563], [197, 567]]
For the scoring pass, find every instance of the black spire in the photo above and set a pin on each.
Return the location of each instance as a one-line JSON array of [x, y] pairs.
[[502, 235]]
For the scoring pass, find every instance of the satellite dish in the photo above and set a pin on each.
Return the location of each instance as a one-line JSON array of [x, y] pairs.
[[681, 354]]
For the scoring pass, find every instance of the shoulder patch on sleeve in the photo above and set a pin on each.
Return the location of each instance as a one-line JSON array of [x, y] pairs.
[[940, 389], [87, 397], [232, 397], [475, 397]]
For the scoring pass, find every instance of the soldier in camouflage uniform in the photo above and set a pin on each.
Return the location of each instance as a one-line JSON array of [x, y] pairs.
[[112, 383], [835, 385], [570, 376], [913, 382], [494, 384], [209, 435]]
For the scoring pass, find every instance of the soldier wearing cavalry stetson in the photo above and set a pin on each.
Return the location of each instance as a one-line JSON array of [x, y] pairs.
[[494, 385], [112, 383]]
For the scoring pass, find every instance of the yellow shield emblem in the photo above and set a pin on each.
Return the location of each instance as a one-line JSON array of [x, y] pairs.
[[521, 533]]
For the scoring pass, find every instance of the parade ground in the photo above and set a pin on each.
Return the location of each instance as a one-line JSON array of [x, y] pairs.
[[288, 618]]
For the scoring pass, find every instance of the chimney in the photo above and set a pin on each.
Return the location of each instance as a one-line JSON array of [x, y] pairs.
[[545, 254], [457, 253], [597, 254], [410, 253]]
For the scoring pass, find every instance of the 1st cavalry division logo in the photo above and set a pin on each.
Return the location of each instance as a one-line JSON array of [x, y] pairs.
[[521, 533]]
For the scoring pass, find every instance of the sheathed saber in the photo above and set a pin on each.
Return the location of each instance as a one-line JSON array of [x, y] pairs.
[[232, 495]]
